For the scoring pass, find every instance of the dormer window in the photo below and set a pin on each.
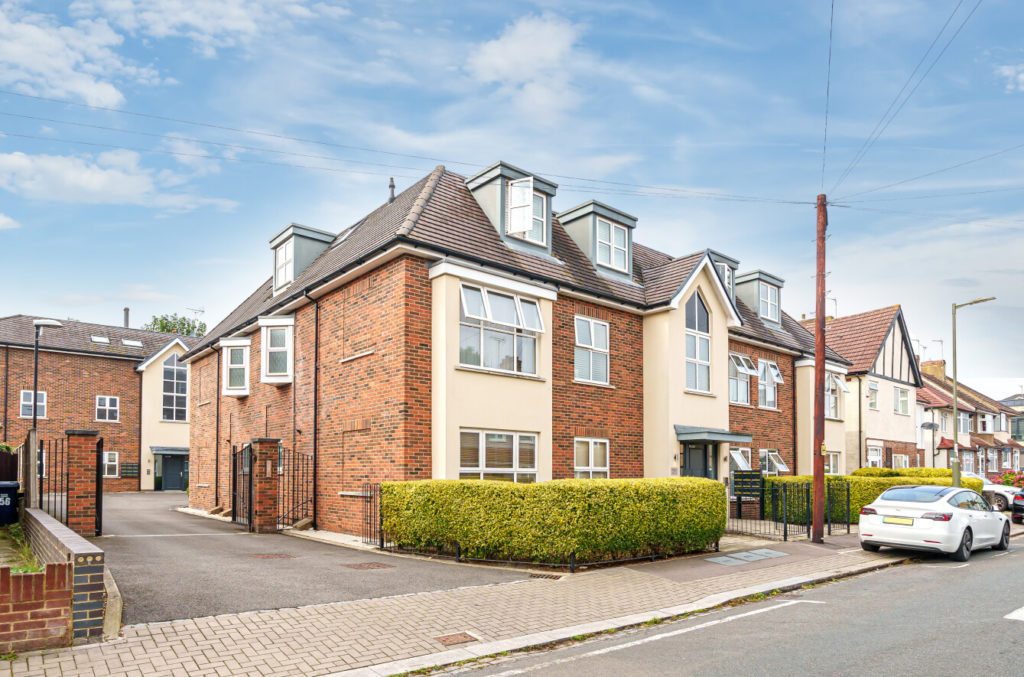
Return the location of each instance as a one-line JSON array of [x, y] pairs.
[[769, 297], [725, 273], [526, 209], [612, 247], [284, 263]]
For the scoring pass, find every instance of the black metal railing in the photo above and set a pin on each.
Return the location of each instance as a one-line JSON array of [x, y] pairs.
[[294, 487], [372, 527], [241, 485], [52, 478], [784, 510]]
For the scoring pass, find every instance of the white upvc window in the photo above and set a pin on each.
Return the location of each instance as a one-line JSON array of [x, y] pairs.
[[874, 457], [612, 245], [591, 458], [277, 349], [284, 263], [873, 395], [832, 463], [739, 459], [771, 462], [1016, 460], [725, 274], [498, 331], [993, 460], [1007, 465], [983, 426], [25, 410], [944, 422], [108, 408], [834, 385], [497, 455], [175, 390], [698, 345], [900, 461], [526, 218], [967, 461], [901, 401], [102, 340], [111, 467], [591, 351], [769, 301], [981, 462], [235, 361], [741, 368], [769, 378], [965, 422], [1004, 424]]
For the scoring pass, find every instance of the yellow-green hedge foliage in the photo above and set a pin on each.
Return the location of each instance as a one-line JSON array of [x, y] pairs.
[[549, 521], [903, 472]]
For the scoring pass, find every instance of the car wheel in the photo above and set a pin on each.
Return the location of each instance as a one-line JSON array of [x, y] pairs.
[[1004, 542], [870, 547], [963, 553], [1000, 503]]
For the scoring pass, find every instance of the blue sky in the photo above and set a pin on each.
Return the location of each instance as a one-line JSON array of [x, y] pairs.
[[718, 97]]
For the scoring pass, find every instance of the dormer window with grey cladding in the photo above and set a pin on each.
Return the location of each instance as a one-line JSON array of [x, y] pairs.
[[518, 205], [526, 209], [605, 235], [762, 292], [726, 268], [294, 248]]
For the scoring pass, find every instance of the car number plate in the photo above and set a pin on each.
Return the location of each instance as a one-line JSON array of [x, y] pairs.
[[898, 520]]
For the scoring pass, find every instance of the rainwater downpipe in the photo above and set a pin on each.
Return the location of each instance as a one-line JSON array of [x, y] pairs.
[[316, 392], [216, 438], [860, 422]]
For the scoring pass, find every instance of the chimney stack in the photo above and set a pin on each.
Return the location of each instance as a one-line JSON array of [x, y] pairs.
[[126, 318], [391, 187]]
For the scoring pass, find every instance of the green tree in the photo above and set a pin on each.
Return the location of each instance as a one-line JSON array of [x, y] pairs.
[[176, 324]]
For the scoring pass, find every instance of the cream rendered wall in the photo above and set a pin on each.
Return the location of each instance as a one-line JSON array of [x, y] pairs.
[[883, 423], [155, 431], [462, 398], [835, 430], [666, 400]]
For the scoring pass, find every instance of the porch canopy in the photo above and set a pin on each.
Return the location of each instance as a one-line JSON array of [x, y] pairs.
[[700, 434], [170, 451]]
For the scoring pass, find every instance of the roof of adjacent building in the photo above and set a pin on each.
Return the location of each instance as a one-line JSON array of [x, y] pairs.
[[791, 334], [75, 336], [859, 337], [935, 398], [946, 443], [971, 397]]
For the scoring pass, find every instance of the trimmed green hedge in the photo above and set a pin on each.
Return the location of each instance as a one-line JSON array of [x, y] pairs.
[[904, 472], [549, 521]]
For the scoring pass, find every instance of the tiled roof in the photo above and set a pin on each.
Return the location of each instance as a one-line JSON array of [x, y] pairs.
[[1013, 444], [988, 402], [932, 397], [979, 443], [792, 335], [858, 337], [17, 330], [963, 394], [946, 443]]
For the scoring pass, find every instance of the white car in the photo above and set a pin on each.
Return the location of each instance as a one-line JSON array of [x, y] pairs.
[[1002, 495], [934, 518]]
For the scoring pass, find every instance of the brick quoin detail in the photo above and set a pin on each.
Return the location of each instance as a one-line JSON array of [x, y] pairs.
[[81, 489], [264, 485], [35, 608], [770, 428]]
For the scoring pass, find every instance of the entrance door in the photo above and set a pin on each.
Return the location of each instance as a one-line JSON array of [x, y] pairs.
[[695, 461], [174, 473]]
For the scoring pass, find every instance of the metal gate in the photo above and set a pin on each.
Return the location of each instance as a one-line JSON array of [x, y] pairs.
[[241, 485], [99, 486], [52, 478], [784, 510], [294, 487]]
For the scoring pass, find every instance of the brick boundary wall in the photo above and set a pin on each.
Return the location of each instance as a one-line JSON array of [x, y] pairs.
[[81, 489], [35, 608], [54, 543]]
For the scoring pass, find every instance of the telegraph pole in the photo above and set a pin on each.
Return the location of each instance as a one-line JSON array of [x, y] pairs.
[[817, 451]]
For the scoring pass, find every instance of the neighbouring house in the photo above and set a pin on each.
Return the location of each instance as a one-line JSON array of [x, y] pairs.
[[882, 383], [1016, 402], [984, 422], [465, 330], [127, 384]]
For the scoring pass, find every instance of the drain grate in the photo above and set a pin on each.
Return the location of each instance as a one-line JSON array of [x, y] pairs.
[[273, 555], [363, 566], [457, 638], [553, 577]]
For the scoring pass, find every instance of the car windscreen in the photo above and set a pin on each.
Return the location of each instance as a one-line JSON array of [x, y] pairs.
[[914, 494]]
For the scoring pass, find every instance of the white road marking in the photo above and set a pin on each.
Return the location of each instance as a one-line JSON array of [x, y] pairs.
[[652, 638], [947, 566], [1017, 615]]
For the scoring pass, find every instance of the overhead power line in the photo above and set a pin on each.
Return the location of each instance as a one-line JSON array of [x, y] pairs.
[[828, 91], [939, 215], [932, 196]]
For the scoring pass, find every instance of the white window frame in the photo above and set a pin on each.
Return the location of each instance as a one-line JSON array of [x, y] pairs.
[[42, 404], [967, 459], [612, 247], [833, 459], [515, 470], [873, 395], [981, 462], [103, 340], [227, 345], [131, 343], [875, 457], [592, 348], [944, 422], [741, 368], [769, 378], [964, 424], [105, 406], [771, 462], [268, 325], [284, 264], [900, 396], [1016, 460], [1007, 465], [835, 387], [993, 460], [740, 457], [725, 274], [519, 329], [512, 213], [587, 471], [768, 303], [1003, 423], [903, 463], [699, 338], [178, 369], [107, 455]]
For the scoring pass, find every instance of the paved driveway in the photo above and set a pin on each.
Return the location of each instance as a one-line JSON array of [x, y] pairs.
[[170, 565]]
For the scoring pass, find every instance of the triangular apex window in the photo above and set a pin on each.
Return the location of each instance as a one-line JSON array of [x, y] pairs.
[[697, 317], [526, 212]]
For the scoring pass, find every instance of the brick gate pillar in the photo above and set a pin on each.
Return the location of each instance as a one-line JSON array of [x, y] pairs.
[[81, 489], [264, 484]]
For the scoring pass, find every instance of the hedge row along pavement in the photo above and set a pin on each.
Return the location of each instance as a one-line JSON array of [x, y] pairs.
[[865, 489], [593, 520]]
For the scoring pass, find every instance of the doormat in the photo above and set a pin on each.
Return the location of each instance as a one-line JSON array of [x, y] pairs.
[[363, 566]]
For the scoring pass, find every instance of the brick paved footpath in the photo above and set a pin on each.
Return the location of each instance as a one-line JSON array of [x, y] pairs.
[[328, 638]]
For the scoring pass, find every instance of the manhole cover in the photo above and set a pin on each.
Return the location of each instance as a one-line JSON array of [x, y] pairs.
[[273, 555], [554, 577], [362, 566], [457, 638]]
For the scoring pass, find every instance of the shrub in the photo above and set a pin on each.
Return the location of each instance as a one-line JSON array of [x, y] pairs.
[[925, 472], [875, 472], [1011, 479], [549, 521]]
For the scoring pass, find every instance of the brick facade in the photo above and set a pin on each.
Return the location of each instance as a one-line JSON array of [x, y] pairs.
[[81, 482], [915, 456], [71, 383], [773, 429], [613, 412], [35, 608]]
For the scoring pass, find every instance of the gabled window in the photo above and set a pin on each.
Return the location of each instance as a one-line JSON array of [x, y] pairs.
[[235, 360], [25, 410], [488, 455], [277, 349], [111, 467], [591, 353], [901, 401], [175, 390], [769, 378], [498, 331], [526, 212], [873, 395], [612, 245], [284, 263], [769, 301], [741, 368], [698, 345], [591, 458], [108, 408]]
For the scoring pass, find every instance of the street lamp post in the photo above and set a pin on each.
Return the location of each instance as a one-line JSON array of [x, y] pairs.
[[954, 463], [38, 324]]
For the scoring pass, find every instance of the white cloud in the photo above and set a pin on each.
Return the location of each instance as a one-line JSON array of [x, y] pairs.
[[1014, 75], [7, 223], [144, 292], [39, 56]]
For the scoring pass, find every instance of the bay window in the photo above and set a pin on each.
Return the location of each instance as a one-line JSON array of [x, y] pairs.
[[965, 423], [494, 455], [498, 331], [277, 349], [235, 361], [698, 345]]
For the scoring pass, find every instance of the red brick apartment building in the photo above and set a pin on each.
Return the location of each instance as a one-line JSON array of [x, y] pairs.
[[465, 330], [91, 378]]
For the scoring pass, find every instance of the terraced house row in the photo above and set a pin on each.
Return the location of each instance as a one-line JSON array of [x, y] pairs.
[[466, 330]]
